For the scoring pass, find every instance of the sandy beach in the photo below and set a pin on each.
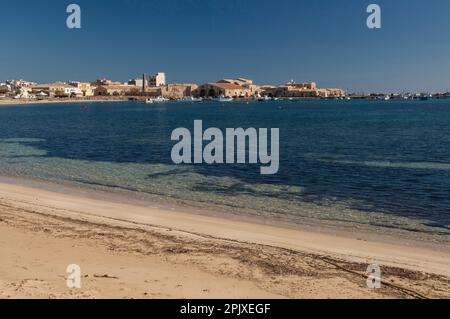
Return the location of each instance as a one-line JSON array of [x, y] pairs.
[[9, 102], [135, 251]]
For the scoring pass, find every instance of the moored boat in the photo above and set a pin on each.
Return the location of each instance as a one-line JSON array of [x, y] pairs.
[[160, 99], [192, 99], [223, 99], [264, 98]]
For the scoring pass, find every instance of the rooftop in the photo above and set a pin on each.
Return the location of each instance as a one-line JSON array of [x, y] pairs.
[[226, 86]]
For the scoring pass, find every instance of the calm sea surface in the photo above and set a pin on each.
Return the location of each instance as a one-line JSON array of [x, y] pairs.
[[379, 163]]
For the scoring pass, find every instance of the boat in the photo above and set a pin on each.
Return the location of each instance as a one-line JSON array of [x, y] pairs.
[[192, 99], [265, 98], [160, 99], [149, 101], [223, 99]]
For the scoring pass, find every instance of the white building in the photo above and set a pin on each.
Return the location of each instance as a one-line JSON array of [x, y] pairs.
[[69, 90], [137, 82], [85, 88], [58, 88], [158, 79], [25, 93], [17, 84]]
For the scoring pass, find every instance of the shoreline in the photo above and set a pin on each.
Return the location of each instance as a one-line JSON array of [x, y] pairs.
[[13, 102], [344, 229], [263, 260]]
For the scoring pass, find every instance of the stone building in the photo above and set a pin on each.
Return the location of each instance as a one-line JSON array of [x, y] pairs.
[[178, 91], [222, 89], [331, 93], [85, 88], [114, 90], [105, 82], [301, 90], [138, 82], [236, 88]]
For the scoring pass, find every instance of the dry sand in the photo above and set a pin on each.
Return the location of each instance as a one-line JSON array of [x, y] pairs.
[[133, 251]]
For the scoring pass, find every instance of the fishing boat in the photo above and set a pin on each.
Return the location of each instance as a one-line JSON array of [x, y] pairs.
[[160, 99], [192, 99], [265, 98], [223, 99]]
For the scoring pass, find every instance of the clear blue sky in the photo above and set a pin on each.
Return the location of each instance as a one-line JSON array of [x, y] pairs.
[[326, 41]]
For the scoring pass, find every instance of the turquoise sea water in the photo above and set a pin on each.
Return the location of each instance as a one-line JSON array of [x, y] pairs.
[[380, 163]]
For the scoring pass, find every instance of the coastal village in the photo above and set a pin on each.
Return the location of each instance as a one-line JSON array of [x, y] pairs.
[[155, 88]]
